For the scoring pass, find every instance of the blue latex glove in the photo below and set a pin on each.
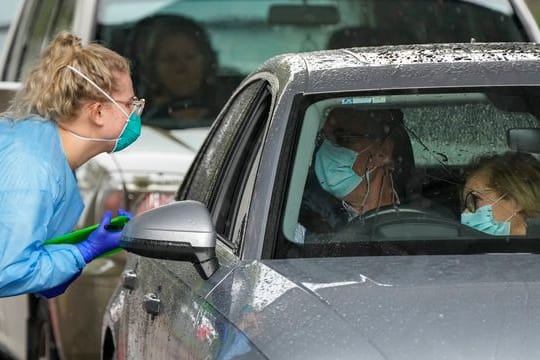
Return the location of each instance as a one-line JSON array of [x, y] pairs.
[[100, 240], [122, 212], [59, 289]]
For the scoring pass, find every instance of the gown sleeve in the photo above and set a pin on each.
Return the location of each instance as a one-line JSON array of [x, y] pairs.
[[26, 209]]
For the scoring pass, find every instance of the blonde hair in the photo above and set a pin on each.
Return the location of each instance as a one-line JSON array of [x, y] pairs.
[[53, 91], [515, 175]]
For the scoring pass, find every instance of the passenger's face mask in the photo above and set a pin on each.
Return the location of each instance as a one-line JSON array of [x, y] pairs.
[[131, 130], [482, 220], [334, 169]]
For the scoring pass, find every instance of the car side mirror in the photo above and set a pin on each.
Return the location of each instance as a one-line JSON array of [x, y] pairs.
[[181, 230], [524, 139]]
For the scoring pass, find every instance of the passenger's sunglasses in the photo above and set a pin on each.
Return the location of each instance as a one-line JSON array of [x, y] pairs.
[[470, 202]]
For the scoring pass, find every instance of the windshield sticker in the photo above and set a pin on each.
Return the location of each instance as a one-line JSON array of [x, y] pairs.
[[364, 100]]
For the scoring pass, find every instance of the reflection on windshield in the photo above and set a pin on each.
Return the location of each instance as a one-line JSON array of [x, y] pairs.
[[189, 56], [502, 6]]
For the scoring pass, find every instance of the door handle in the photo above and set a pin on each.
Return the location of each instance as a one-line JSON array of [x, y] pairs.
[[152, 304], [129, 279]]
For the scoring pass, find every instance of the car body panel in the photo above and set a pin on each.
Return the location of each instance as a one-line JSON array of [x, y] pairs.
[[470, 306], [406, 66], [138, 338], [352, 301]]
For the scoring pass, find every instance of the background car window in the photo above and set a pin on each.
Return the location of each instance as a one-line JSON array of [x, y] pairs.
[[186, 78], [9, 9], [44, 20], [430, 139]]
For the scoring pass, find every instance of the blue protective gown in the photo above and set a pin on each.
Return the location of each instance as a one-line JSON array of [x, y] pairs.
[[39, 200]]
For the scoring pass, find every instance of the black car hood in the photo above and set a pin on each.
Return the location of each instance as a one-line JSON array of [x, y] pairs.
[[416, 307]]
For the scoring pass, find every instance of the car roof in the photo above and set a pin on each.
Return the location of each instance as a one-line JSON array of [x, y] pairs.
[[409, 66]]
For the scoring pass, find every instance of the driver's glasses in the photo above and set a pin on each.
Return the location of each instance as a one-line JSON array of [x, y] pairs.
[[346, 137], [135, 105]]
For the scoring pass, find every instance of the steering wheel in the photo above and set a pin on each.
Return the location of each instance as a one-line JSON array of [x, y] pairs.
[[407, 230], [390, 229], [409, 222]]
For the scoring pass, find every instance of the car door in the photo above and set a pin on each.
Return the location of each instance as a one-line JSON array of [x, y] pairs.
[[172, 313]]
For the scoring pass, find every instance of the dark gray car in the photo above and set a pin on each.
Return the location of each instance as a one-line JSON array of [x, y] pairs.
[[260, 263]]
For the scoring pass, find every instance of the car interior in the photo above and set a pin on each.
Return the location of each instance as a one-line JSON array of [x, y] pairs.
[[439, 134]]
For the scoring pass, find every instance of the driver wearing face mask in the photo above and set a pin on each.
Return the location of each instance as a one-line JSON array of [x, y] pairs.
[[353, 169], [354, 161]]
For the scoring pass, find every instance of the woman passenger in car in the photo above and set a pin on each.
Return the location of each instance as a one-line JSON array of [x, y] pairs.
[[174, 66], [76, 103], [501, 193]]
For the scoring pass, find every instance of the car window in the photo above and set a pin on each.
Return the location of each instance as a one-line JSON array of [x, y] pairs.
[[231, 204], [385, 173], [189, 55], [240, 194], [43, 20], [6, 16]]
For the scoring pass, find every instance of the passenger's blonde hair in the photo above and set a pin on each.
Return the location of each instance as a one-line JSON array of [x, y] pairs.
[[515, 175], [53, 91]]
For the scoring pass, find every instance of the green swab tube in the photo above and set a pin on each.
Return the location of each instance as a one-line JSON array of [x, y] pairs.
[[77, 236]]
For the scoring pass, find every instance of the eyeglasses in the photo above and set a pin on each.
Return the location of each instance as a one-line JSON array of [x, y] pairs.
[[135, 105], [470, 202], [348, 137]]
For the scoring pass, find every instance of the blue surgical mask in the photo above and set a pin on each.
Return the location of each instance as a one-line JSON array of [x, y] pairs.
[[334, 169], [482, 219], [131, 130]]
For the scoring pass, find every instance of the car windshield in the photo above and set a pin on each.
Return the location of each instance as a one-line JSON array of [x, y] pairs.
[[188, 56], [420, 172]]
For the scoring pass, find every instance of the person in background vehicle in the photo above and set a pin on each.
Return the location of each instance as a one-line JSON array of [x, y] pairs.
[[175, 66], [501, 193], [77, 102], [355, 165]]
